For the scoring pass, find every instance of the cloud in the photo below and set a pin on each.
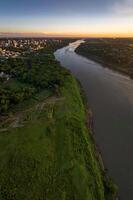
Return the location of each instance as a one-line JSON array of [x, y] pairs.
[[123, 8]]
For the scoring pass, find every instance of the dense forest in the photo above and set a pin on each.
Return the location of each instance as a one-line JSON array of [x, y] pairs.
[[29, 74]]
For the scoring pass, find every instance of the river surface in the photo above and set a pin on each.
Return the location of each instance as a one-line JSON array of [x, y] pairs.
[[110, 96]]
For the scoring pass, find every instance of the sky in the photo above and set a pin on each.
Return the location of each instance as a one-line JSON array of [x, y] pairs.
[[89, 18]]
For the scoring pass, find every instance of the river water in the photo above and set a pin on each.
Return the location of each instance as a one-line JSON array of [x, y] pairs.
[[110, 96]]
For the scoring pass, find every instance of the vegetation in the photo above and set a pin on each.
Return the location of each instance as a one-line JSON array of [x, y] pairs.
[[46, 151], [114, 53], [52, 155], [24, 78]]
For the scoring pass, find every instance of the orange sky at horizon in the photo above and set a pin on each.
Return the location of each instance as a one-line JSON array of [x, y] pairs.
[[63, 34], [71, 18]]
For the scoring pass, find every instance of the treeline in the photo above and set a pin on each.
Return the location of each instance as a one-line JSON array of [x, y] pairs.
[[114, 53], [22, 77]]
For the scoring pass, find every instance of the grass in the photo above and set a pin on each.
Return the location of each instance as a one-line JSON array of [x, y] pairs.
[[52, 156]]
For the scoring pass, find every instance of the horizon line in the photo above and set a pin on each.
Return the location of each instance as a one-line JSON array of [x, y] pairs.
[[63, 35]]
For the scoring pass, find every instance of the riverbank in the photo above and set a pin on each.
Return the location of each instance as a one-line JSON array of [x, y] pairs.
[[51, 156], [46, 148], [109, 55], [110, 97], [108, 182]]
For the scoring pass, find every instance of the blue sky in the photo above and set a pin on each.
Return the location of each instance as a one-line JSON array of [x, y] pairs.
[[53, 7], [66, 16]]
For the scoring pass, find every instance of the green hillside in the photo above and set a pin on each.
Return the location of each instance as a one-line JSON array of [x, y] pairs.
[[46, 150]]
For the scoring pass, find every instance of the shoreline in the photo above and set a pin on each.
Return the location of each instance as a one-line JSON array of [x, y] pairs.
[[91, 132], [90, 122], [98, 154], [90, 125], [110, 189], [105, 64]]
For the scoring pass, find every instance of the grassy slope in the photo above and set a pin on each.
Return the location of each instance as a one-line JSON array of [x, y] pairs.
[[52, 156]]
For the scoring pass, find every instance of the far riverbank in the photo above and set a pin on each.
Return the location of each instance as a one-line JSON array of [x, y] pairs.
[[101, 58]]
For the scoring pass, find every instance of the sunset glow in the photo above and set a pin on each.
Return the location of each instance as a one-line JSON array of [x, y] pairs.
[[77, 18]]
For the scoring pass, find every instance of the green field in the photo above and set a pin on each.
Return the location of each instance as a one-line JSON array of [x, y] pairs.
[[48, 154]]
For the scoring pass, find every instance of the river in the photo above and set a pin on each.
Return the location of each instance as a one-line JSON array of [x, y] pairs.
[[110, 96]]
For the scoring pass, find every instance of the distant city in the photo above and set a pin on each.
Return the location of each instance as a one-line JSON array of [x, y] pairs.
[[18, 47]]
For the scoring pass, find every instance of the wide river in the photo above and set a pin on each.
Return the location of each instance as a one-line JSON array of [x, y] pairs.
[[110, 96]]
